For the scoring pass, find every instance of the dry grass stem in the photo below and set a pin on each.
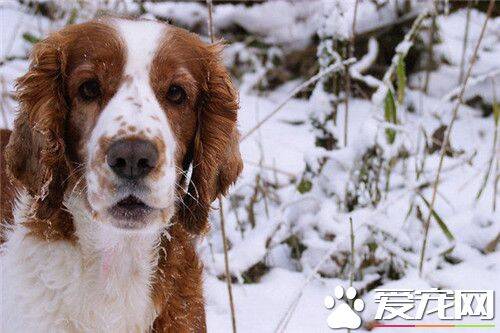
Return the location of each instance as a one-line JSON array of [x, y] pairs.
[[430, 62], [221, 208], [350, 51], [447, 138], [493, 147], [465, 42], [351, 229], [210, 22], [226, 266]]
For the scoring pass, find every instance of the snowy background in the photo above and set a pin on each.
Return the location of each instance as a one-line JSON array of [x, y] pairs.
[[287, 218]]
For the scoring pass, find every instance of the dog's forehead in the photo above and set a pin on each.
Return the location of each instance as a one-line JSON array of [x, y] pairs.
[[142, 39]]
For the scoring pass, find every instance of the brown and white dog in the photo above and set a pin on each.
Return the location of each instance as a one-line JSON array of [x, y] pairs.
[[126, 134]]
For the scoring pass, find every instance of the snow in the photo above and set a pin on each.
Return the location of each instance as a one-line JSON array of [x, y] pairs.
[[279, 22], [452, 28], [261, 305], [387, 237]]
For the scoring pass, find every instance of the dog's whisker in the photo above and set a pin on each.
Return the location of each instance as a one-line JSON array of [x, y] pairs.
[[190, 182]]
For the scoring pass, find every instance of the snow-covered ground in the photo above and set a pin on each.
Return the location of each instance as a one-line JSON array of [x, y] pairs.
[[388, 235], [261, 306]]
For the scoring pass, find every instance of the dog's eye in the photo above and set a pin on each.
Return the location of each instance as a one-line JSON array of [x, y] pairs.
[[176, 94], [89, 90]]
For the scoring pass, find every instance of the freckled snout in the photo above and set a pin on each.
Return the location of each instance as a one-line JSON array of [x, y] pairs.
[[132, 159]]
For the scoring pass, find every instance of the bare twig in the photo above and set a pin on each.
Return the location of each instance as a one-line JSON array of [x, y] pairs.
[[210, 22], [350, 51], [493, 148], [221, 208], [495, 184], [291, 175], [330, 69], [3, 110], [447, 137], [351, 275], [293, 305], [473, 81], [336, 83], [497, 159], [226, 265], [384, 27], [430, 62], [351, 229], [465, 42], [446, 7]]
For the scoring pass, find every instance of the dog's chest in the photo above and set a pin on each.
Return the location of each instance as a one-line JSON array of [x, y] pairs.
[[65, 287]]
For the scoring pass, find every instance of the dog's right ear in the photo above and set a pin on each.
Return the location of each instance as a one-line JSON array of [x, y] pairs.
[[35, 155], [216, 156]]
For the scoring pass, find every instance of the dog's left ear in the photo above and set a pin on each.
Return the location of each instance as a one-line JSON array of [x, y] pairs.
[[216, 158], [35, 155]]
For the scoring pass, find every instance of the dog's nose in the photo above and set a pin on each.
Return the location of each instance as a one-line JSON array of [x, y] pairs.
[[132, 158]]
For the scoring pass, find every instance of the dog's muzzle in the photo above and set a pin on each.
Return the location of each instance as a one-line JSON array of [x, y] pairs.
[[131, 160]]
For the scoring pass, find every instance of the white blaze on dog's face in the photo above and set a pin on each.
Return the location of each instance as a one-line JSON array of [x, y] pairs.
[[134, 119]]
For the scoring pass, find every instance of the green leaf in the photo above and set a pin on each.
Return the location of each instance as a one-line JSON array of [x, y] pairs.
[[439, 220], [496, 112], [390, 116], [30, 38], [390, 134], [72, 16], [304, 186], [401, 77]]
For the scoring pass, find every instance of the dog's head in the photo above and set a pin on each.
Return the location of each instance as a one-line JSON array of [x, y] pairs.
[[124, 113]]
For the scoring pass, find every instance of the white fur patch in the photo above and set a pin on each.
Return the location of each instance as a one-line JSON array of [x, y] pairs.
[[100, 284]]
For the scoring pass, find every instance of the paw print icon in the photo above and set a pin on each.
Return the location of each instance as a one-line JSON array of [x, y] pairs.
[[342, 315]]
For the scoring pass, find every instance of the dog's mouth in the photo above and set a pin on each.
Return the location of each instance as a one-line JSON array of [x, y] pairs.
[[132, 211]]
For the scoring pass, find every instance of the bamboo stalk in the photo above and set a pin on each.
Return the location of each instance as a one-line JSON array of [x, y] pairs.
[[447, 138]]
